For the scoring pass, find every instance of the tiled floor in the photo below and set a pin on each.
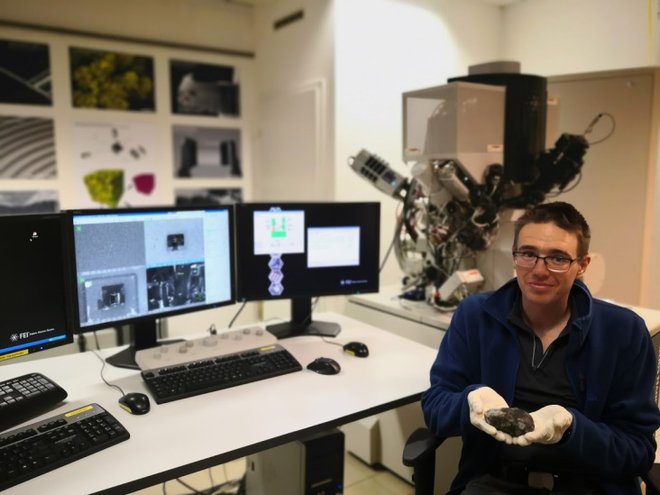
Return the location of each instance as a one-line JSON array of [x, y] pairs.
[[359, 479]]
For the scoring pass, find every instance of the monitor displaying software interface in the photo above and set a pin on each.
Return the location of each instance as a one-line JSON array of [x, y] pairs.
[[33, 296], [299, 251], [137, 264]]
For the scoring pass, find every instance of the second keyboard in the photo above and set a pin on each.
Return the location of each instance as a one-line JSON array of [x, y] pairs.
[[50, 443], [229, 370]]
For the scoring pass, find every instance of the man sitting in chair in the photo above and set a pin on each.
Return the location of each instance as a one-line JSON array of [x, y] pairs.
[[583, 368]]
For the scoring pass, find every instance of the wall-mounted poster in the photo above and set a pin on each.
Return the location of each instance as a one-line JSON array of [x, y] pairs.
[[204, 89], [206, 152], [116, 163], [111, 80], [208, 197], [27, 148], [24, 202], [25, 73]]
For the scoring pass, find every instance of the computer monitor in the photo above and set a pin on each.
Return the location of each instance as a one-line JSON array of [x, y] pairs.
[[299, 251], [35, 306], [136, 266]]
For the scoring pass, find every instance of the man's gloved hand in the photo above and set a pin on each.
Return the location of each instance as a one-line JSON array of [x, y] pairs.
[[550, 424], [480, 400]]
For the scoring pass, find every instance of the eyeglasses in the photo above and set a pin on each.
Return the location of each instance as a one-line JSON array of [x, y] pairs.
[[555, 263]]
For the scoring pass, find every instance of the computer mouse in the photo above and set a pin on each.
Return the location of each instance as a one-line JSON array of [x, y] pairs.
[[356, 349], [324, 366], [135, 403]]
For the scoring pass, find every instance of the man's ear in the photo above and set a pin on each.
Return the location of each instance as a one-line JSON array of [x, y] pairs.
[[583, 263]]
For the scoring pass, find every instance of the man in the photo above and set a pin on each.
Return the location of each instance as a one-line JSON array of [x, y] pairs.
[[585, 369]]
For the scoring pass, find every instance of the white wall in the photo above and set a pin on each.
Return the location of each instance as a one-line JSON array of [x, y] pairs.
[[552, 37], [387, 47], [295, 74], [209, 23]]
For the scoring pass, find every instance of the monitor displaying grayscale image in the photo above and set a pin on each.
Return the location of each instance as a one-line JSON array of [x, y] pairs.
[[136, 266]]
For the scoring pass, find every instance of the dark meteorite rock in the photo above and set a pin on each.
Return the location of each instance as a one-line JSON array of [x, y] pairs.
[[511, 420]]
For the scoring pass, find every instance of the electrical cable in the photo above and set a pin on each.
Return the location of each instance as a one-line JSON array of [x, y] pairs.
[[237, 313], [595, 121], [112, 385]]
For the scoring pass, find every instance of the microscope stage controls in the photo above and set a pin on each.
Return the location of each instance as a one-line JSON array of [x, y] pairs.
[[204, 347]]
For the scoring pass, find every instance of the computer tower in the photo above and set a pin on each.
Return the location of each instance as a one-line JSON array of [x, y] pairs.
[[311, 466]]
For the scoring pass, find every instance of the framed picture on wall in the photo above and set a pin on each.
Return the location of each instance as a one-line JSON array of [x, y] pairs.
[[208, 197], [27, 148], [25, 202], [111, 80], [204, 89], [25, 76], [116, 164], [206, 152]]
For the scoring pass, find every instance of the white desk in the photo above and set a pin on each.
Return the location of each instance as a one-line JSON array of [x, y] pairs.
[[425, 320], [184, 436]]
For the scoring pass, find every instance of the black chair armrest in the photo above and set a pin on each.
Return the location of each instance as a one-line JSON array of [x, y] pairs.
[[419, 453], [652, 480], [420, 444]]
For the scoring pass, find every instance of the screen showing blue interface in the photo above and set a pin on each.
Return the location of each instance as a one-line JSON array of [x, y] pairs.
[[134, 264], [33, 295]]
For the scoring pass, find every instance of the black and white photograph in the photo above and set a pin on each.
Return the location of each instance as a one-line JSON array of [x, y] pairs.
[[206, 152], [25, 76], [27, 202], [27, 148], [208, 197], [204, 89]]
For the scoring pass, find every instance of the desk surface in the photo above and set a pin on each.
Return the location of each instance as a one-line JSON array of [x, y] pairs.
[[187, 435], [387, 300]]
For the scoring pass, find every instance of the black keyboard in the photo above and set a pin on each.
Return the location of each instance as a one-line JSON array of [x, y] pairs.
[[26, 397], [29, 451], [199, 377]]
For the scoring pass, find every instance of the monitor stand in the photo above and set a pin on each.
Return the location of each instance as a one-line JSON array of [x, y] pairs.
[[144, 335], [301, 322]]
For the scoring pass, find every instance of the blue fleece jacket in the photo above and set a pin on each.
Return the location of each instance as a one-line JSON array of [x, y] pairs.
[[610, 363]]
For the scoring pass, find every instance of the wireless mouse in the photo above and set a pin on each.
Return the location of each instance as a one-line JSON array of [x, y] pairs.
[[324, 366], [356, 349], [135, 403]]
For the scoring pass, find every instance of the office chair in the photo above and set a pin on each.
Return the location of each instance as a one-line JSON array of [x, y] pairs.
[[419, 453]]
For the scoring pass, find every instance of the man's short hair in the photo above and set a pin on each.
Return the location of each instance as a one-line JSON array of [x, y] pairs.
[[564, 216]]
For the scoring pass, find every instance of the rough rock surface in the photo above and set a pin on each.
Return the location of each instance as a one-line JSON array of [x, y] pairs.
[[511, 420]]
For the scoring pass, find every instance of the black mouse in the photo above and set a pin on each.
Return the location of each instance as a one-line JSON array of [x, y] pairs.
[[356, 349], [135, 403], [324, 366]]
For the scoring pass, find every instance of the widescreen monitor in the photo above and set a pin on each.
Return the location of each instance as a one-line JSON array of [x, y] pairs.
[[300, 251], [136, 266], [35, 304]]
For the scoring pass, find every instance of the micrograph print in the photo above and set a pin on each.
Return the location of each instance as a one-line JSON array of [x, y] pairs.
[[27, 148], [206, 152], [116, 164], [111, 80], [25, 73], [208, 197], [26, 202], [204, 89]]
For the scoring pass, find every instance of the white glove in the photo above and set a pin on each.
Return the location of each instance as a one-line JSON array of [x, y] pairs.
[[480, 400], [550, 424]]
